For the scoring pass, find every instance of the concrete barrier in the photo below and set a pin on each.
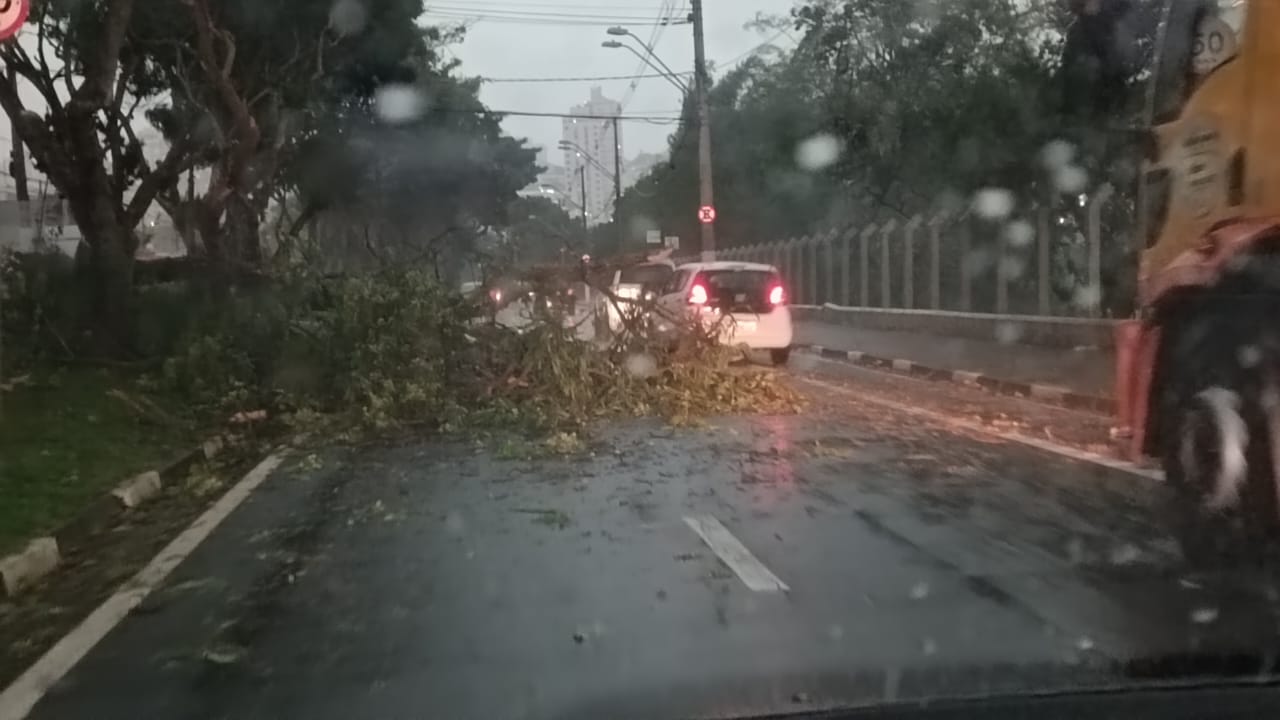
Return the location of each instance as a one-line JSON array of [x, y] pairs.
[[25, 568], [137, 490], [1063, 332]]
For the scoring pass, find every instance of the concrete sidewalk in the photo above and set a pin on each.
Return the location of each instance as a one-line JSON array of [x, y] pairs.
[[1088, 371]]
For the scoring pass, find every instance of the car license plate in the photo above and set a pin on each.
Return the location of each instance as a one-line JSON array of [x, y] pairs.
[[740, 298], [744, 327]]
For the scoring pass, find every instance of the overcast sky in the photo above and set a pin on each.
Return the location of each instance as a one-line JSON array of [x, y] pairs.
[[543, 44], [561, 38]]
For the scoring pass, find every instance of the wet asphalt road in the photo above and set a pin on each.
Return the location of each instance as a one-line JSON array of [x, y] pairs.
[[442, 580]]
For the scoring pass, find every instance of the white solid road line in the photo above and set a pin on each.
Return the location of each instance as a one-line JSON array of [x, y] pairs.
[[18, 699], [751, 571], [954, 422]]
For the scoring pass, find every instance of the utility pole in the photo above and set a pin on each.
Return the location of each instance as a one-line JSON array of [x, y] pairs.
[[582, 187], [617, 185], [705, 191], [617, 169]]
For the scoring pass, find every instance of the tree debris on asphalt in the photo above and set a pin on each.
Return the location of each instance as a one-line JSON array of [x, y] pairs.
[[401, 352]]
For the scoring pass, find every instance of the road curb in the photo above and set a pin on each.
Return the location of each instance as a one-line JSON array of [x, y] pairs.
[[43, 555], [22, 569], [1048, 394]]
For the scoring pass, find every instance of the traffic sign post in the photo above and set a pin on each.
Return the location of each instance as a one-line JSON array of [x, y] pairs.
[[13, 13], [706, 214]]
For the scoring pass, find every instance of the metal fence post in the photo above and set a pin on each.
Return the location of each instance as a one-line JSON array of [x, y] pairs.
[[1096, 204], [886, 286], [935, 260], [795, 266], [846, 295], [864, 273], [966, 249], [815, 242], [909, 262], [801, 277], [784, 266], [1003, 246], [830, 269], [1042, 261]]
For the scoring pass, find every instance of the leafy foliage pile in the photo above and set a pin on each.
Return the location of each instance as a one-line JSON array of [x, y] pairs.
[[397, 350]]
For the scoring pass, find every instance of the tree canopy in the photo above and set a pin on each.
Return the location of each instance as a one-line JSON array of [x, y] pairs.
[[885, 109], [267, 102]]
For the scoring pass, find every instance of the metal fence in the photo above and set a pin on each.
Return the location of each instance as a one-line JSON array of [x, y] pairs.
[[1039, 262], [27, 225]]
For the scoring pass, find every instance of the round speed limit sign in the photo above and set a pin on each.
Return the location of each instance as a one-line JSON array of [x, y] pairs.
[[12, 14], [1214, 44]]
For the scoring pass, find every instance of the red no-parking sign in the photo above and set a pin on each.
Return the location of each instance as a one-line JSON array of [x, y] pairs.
[[12, 14], [706, 213]]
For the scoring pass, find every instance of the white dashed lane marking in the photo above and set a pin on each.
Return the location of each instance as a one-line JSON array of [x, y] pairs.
[[733, 553]]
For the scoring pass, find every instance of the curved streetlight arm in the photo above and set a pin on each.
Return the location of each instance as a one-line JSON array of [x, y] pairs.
[[647, 48], [563, 197], [670, 77], [569, 144]]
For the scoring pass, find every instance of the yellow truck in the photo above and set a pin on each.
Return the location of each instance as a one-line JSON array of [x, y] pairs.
[[1198, 368]]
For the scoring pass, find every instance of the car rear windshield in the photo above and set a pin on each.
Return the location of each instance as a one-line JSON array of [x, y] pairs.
[[740, 289], [647, 275]]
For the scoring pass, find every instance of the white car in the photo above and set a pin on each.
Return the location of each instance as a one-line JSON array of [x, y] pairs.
[[749, 298], [633, 286]]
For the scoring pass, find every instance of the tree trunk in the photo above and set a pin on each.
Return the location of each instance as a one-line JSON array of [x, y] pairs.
[[106, 272], [230, 240], [241, 228]]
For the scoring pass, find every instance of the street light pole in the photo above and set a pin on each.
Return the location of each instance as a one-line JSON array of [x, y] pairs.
[[666, 75], [624, 32], [582, 186], [617, 180], [617, 169], [615, 174], [705, 190]]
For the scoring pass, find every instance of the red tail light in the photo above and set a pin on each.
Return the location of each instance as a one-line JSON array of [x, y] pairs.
[[777, 296], [698, 294]]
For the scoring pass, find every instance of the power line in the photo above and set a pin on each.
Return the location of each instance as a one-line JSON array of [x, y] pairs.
[[567, 11], [665, 16], [534, 113], [476, 19], [509, 5], [759, 47], [439, 9], [596, 20], [573, 79]]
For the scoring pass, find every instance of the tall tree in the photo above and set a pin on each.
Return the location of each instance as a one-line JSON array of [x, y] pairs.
[[81, 136], [259, 80], [433, 177], [883, 109]]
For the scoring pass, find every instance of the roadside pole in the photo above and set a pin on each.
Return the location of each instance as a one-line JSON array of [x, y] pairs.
[[705, 191], [617, 185], [582, 188]]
